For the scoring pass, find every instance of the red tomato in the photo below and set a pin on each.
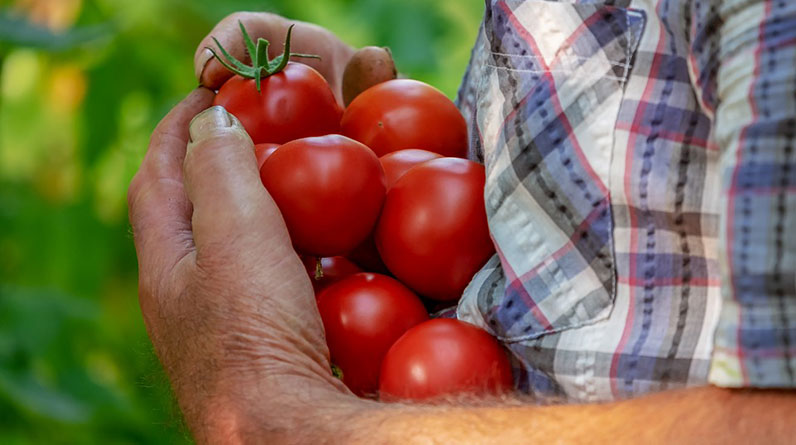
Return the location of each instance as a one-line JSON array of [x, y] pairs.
[[263, 151], [334, 269], [363, 315], [366, 256], [444, 357], [403, 113], [294, 103], [397, 163], [329, 189], [433, 233]]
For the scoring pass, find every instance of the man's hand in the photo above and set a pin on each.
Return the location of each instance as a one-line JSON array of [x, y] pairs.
[[226, 301]]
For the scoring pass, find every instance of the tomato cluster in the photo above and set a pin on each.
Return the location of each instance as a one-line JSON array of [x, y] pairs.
[[387, 215]]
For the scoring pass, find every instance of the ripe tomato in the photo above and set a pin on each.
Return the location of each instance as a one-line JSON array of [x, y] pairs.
[[397, 163], [433, 233], [403, 113], [329, 189], [294, 103], [444, 357], [366, 256], [363, 315], [263, 151], [334, 269]]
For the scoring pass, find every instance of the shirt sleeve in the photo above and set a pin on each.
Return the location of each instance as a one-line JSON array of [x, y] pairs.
[[743, 65]]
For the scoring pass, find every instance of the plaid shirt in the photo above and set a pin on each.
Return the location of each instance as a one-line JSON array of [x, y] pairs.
[[641, 192]]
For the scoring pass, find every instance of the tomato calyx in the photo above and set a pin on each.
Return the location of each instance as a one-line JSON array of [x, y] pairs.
[[262, 66], [337, 372]]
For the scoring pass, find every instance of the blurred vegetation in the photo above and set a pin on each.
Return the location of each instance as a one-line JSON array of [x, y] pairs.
[[82, 85]]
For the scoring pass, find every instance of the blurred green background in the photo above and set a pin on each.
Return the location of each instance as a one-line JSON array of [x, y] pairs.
[[82, 85]]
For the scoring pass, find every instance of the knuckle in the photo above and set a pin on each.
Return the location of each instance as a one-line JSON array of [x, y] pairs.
[[156, 138], [134, 190], [248, 18], [232, 19], [165, 166]]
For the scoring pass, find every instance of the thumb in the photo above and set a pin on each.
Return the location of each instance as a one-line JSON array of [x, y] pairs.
[[368, 66], [230, 204]]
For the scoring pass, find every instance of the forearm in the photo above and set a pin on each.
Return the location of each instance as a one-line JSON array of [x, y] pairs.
[[699, 415], [314, 414]]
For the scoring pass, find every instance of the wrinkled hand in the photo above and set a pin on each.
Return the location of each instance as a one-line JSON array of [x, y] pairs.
[[225, 299]]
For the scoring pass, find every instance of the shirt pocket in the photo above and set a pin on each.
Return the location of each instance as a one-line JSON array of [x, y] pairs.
[[547, 107]]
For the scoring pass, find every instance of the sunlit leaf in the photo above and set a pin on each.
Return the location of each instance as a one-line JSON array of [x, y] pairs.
[[16, 31]]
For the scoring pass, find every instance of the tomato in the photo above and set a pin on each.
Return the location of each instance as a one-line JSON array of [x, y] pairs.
[[433, 233], [263, 151], [277, 100], [334, 269], [329, 189], [402, 113], [444, 357], [294, 103], [363, 315], [366, 256], [397, 163]]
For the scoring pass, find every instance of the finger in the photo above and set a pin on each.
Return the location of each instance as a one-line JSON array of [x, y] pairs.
[[159, 209], [369, 66], [307, 38], [166, 152], [231, 208]]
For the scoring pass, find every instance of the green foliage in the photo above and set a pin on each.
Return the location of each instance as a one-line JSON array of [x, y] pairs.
[[17, 31], [77, 105]]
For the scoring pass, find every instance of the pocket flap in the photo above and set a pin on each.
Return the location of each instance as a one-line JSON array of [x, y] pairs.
[[546, 112]]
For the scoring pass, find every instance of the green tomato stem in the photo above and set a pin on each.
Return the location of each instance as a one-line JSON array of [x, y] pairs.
[[261, 66]]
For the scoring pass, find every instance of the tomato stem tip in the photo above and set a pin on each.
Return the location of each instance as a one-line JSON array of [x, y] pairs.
[[318, 268]]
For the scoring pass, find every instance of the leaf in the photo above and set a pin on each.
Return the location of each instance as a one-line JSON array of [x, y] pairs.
[[19, 32], [30, 395]]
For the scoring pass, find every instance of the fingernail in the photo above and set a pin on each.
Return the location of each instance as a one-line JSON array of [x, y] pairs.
[[210, 123], [201, 63]]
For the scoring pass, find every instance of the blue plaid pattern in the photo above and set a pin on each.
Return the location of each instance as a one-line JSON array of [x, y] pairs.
[[641, 192]]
